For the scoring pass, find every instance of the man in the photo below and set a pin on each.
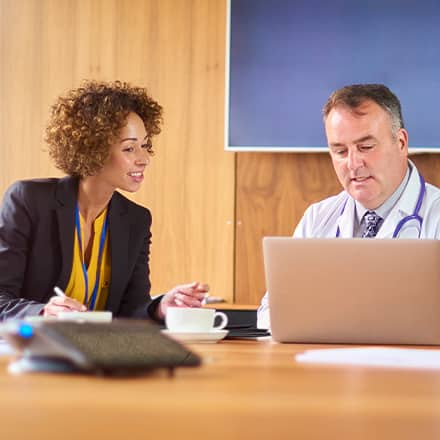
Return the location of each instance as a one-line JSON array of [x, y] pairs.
[[384, 195]]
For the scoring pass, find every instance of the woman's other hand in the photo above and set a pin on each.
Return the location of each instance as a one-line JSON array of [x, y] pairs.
[[184, 295]]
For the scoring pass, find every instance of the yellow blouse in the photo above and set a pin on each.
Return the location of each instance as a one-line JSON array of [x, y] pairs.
[[76, 287]]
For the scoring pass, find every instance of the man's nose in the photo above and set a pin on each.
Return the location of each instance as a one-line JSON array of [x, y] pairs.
[[354, 159]]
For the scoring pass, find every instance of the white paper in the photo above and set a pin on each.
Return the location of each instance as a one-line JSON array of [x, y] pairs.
[[374, 356]]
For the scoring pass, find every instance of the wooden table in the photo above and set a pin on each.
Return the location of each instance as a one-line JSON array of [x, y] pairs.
[[244, 390]]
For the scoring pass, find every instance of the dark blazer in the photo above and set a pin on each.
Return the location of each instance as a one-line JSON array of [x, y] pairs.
[[37, 229]]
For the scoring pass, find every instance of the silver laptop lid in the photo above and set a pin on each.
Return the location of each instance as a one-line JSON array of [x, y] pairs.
[[353, 290]]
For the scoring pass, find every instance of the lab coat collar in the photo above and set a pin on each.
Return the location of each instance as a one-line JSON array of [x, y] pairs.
[[347, 218], [408, 200], [404, 206]]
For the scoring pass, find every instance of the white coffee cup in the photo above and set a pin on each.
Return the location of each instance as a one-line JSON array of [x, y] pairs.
[[193, 320]]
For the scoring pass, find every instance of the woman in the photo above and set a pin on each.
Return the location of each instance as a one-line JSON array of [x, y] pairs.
[[78, 232]]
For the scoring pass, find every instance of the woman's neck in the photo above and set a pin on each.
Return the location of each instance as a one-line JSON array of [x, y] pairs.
[[93, 198]]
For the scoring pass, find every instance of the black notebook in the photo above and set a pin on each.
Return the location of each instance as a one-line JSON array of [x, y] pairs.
[[119, 347], [246, 332]]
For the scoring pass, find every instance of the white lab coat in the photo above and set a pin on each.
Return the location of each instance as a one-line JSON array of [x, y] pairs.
[[321, 220]]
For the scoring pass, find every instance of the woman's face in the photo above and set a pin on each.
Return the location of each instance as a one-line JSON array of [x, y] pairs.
[[125, 165]]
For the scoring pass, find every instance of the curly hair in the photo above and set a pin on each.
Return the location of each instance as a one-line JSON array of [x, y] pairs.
[[87, 120]]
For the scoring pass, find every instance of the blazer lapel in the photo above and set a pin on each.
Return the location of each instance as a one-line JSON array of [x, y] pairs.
[[66, 196], [119, 229]]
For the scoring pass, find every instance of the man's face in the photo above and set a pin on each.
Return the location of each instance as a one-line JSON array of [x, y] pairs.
[[369, 161]]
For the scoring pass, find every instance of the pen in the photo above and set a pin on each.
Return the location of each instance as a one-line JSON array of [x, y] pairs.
[[213, 300], [59, 292]]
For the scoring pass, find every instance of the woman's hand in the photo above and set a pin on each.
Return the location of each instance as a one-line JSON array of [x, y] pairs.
[[185, 295], [59, 304]]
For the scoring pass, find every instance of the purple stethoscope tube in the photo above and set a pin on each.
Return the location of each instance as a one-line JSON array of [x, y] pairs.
[[414, 216]]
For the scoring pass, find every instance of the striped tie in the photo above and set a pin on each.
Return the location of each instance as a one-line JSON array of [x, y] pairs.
[[372, 221]]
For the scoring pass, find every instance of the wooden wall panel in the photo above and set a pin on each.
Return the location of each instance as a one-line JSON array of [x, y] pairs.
[[176, 49], [429, 166], [273, 190]]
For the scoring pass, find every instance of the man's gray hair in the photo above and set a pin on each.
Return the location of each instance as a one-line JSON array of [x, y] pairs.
[[354, 95]]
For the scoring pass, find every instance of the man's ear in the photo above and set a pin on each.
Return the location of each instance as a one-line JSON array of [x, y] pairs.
[[402, 138]]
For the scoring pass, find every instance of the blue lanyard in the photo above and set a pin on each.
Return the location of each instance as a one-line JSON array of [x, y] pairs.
[[83, 263]]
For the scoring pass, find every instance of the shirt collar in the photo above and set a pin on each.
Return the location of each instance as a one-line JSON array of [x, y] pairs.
[[386, 207]]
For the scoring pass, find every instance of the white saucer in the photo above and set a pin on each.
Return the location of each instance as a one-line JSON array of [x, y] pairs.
[[197, 337]]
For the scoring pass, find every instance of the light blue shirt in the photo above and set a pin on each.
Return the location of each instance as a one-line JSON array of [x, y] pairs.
[[382, 211]]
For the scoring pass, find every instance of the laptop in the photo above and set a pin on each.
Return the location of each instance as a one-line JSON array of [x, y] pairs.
[[355, 291]]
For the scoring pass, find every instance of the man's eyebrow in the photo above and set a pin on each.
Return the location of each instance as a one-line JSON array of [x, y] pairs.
[[366, 138], [336, 144], [369, 137]]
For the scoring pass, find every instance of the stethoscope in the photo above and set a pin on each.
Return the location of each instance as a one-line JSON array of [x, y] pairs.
[[414, 216]]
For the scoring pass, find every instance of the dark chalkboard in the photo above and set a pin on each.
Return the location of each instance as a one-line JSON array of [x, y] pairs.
[[285, 57]]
